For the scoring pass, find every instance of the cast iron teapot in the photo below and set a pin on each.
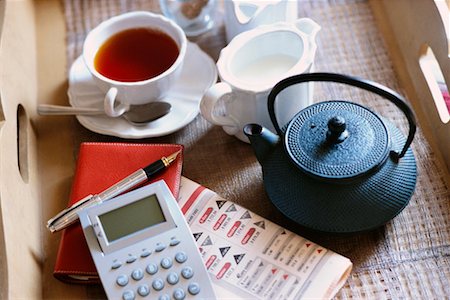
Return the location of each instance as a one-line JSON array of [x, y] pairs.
[[337, 166]]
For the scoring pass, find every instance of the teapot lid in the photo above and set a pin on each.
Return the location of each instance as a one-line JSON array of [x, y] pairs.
[[337, 141]]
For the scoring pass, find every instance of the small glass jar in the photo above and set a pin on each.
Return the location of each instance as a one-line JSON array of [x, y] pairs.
[[194, 16]]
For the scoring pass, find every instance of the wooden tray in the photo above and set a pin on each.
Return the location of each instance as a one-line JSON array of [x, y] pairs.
[[412, 31], [37, 158], [32, 68]]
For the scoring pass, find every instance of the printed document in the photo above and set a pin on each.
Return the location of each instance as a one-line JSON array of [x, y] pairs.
[[250, 257]]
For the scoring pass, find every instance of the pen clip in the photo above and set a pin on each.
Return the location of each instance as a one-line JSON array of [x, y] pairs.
[[64, 212]]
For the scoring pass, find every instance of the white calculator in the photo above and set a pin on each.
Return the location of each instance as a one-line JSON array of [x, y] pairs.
[[143, 249]]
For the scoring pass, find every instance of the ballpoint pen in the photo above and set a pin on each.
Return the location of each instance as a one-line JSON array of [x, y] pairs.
[[69, 215]]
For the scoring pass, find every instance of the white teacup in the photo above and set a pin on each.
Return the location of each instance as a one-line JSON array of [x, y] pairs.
[[252, 63], [120, 94]]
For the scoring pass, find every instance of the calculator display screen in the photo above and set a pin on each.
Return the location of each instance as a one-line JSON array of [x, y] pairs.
[[128, 219]]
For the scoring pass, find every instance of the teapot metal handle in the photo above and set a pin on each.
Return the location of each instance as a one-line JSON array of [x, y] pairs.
[[365, 84]]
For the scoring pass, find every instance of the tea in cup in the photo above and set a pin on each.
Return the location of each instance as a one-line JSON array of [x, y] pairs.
[[135, 58], [252, 63]]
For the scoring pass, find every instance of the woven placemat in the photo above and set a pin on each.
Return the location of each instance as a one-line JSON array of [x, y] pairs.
[[407, 258]]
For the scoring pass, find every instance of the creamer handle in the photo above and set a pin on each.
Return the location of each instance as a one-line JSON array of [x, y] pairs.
[[208, 104], [310, 29], [245, 18]]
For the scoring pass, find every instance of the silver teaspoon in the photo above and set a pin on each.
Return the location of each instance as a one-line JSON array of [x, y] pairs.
[[138, 115]]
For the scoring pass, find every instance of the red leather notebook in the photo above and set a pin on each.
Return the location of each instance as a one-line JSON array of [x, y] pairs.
[[99, 166]]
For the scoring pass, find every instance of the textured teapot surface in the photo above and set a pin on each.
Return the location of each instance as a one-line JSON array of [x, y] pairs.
[[363, 204], [337, 141], [337, 166]]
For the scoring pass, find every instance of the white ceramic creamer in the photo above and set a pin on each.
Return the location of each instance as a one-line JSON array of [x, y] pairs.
[[252, 63], [243, 15]]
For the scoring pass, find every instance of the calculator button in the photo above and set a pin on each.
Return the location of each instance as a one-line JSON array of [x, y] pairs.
[[145, 253], [166, 263], [158, 284], [194, 288], [137, 274], [160, 247], [179, 294], [128, 295], [173, 278], [122, 280], [174, 241], [181, 257], [187, 272], [151, 269], [131, 259], [116, 265], [164, 297], [143, 290]]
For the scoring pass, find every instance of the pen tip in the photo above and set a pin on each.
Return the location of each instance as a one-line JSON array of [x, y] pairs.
[[173, 156]]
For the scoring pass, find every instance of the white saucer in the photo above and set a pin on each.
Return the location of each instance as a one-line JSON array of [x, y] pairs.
[[198, 74]]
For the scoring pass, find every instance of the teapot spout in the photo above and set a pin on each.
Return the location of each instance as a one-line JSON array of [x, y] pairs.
[[262, 140]]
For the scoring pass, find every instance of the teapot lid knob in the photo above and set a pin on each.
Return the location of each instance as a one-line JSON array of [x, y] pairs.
[[337, 130]]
